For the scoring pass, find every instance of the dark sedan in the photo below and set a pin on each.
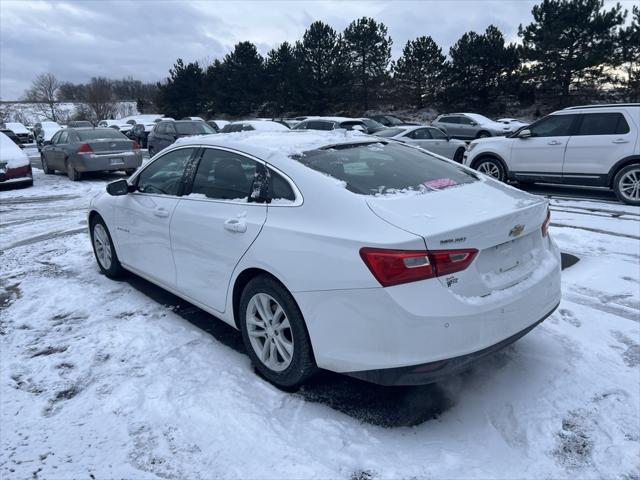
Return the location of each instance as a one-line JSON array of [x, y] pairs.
[[77, 150], [166, 132]]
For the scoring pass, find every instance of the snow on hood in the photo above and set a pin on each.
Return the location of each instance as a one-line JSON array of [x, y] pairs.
[[16, 127], [11, 154]]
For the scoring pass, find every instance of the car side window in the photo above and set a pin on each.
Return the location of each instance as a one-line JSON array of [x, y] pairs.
[[63, 138], [420, 134], [164, 175], [603, 124], [170, 129], [223, 175], [437, 134], [465, 121], [450, 120], [553, 126], [54, 139], [279, 189]]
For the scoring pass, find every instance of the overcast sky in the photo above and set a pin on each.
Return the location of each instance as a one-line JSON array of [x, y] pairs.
[[76, 40]]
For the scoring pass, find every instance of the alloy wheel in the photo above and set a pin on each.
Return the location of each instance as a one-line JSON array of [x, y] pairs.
[[629, 185], [491, 169], [102, 246], [269, 332]]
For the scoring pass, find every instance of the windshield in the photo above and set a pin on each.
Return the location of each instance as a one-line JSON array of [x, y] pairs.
[[371, 123], [99, 133], [390, 132], [379, 168], [193, 128]]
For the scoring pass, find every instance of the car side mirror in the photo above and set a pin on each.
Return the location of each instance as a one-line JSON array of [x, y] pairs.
[[526, 133], [118, 188]]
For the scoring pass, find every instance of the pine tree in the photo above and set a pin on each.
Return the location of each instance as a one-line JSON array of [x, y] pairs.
[[368, 50], [418, 73], [629, 45], [569, 41], [181, 94], [481, 69], [281, 72]]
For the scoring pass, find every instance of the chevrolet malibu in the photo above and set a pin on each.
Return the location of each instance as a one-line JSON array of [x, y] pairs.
[[335, 250]]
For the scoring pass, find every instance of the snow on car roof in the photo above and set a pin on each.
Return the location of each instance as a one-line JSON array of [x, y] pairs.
[[11, 154], [263, 144]]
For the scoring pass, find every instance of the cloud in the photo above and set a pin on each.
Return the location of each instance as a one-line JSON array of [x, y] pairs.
[[76, 40]]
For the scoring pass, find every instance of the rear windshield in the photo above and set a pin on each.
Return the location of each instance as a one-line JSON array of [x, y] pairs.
[[193, 128], [390, 132], [385, 168], [98, 133]]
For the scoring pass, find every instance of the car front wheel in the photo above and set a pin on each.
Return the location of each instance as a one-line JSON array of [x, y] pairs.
[[491, 167], [103, 248], [626, 184], [275, 334]]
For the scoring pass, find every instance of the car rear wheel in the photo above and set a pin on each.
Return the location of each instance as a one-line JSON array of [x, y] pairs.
[[72, 173], [626, 184], [275, 334], [103, 249], [458, 156], [491, 167], [45, 165]]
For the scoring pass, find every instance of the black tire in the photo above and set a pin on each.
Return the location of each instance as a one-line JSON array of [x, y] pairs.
[[45, 165], [302, 364], [483, 134], [115, 268], [459, 155], [72, 173], [492, 167], [625, 178]]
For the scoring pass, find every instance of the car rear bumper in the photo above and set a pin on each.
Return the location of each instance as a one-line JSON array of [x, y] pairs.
[[360, 330], [110, 161], [435, 371]]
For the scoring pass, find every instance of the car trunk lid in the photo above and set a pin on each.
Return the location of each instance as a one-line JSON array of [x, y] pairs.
[[502, 223], [110, 145]]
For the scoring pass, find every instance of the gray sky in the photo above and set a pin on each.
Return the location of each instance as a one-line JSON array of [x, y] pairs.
[[76, 40]]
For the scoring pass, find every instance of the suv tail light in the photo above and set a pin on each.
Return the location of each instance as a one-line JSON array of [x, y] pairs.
[[545, 224], [394, 267], [85, 148]]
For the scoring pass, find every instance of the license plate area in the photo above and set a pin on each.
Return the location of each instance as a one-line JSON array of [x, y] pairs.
[[116, 161], [506, 256]]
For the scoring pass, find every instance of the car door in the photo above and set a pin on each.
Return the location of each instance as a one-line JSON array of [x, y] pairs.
[[467, 128], [59, 151], [451, 125], [214, 225], [542, 154], [600, 140], [143, 217], [49, 151], [441, 144]]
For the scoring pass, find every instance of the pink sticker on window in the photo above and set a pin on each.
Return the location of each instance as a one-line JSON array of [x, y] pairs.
[[440, 183]]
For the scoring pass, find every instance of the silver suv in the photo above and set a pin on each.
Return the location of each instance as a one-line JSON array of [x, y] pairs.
[[468, 126], [596, 145]]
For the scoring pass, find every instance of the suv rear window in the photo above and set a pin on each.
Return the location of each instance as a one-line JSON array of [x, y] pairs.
[[603, 124], [385, 168], [193, 128]]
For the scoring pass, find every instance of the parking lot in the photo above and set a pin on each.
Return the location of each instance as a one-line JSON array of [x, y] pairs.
[[107, 379]]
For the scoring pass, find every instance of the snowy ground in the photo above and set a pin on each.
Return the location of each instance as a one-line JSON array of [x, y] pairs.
[[103, 379]]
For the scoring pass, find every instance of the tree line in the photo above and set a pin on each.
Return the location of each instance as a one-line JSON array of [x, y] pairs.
[[573, 51]]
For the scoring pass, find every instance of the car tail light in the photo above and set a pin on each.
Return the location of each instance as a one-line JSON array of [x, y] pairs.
[[85, 148], [393, 267], [136, 147], [545, 224]]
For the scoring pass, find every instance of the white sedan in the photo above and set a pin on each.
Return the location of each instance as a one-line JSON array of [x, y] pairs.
[[429, 138], [335, 250]]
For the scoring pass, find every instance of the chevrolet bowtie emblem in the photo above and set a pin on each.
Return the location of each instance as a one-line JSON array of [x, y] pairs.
[[517, 230]]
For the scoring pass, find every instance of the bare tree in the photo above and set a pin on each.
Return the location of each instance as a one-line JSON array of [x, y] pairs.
[[44, 93], [98, 96]]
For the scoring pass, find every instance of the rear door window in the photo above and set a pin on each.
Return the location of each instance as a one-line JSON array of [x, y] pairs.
[[385, 168], [223, 175], [603, 124], [449, 120]]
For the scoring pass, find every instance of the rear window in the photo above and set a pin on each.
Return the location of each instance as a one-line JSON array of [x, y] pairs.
[[193, 128], [603, 124], [385, 168], [100, 133]]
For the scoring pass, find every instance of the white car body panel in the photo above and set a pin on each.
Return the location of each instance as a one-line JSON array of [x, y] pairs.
[[311, 246]]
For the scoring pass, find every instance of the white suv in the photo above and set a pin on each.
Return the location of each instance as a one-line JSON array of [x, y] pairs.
[[591, 145]]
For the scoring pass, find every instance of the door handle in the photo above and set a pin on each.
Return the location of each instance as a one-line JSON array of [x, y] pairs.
[[554, 142], [235, 225], [620, 140], [161, 212]]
